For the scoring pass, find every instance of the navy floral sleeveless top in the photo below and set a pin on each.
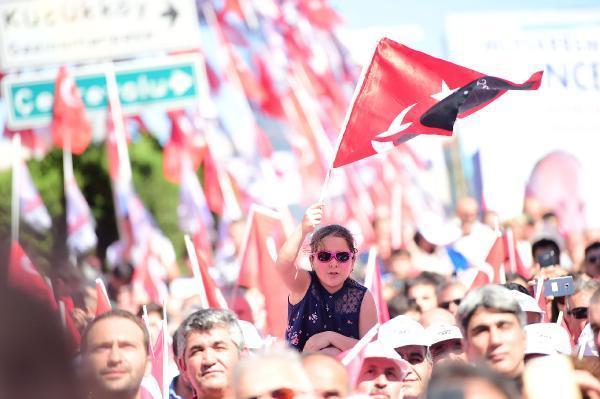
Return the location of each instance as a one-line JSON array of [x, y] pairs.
[[321, 311]]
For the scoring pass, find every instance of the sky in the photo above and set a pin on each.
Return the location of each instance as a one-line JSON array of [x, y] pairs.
[[421, 23]]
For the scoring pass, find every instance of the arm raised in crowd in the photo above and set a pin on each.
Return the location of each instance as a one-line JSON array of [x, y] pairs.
[[296, 279]]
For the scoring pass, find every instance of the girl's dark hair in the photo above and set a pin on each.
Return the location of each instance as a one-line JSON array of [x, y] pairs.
[[334, 230]]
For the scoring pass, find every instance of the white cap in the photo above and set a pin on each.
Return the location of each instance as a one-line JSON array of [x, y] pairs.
[[436, 230], [526, 302], [252, 339], [442, 332], [378, 349], [402, 331], [547, 339]]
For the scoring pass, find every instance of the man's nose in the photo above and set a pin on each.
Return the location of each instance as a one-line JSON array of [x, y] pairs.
[[381, 381], [209, 357], [114, 356], [495, 337]]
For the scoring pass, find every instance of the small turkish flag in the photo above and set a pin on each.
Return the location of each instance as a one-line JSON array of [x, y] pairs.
[[375, 286], [24, 276], [405, 93], [71, 128], [266, 235], [185, 139], [102, 302]]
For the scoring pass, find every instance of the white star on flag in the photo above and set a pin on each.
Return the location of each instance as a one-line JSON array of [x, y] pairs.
[[444, 92]]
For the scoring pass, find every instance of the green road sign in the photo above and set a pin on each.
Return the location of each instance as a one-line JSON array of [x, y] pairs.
[[167, 84]]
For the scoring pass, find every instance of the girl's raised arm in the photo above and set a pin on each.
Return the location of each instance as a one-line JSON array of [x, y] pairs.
[[296, 279]]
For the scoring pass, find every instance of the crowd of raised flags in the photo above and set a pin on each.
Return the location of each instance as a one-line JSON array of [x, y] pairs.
[[280, 84]]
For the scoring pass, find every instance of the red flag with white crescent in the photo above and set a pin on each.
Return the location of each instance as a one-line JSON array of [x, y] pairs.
[[405, 93], [70, 125]]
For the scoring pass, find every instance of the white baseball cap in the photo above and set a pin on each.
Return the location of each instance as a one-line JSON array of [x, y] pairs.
[[378, 349], [436, 230], [402, 331], [442, 332], [252, 339], [526, 302], [546, 339]]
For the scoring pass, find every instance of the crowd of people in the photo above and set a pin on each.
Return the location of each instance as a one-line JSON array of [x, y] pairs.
[[445, 338]]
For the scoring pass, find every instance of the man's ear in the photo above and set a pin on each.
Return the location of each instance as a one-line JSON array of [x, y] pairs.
[[245, 352], [181, 364]]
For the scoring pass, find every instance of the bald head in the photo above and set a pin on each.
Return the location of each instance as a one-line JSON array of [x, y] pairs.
[[437, 316], [327, 375], [467, 210]]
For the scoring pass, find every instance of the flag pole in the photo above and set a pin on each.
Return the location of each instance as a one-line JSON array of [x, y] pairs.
[[360, 345], [191, 251], [116, 114], [336, 148], [16, 182], [511, 249], [165, 353], [146, 320], [323, 194], [242, 252]]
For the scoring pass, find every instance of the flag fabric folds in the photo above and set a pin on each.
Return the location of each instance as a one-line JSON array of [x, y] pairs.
[[102, 302], [32, 208], [71, 129], [81, 234], [405, 93], [265, 236], [24, 276], [186, 142], [375, 286]]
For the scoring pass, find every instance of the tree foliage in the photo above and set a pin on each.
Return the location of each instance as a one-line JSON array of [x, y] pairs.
[[91, 172]]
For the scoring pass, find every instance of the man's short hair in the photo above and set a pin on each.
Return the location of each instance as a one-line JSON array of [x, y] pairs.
[[489, 296], [113, 314], [426, 278], [545, 243], [448, 284], [582, 285], [591, 247], [450, 379], [205, 320], [595, 297], [517, 287]]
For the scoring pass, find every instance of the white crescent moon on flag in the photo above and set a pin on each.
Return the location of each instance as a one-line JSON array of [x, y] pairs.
[[28, 266], [271, 247], [67, 93], [382, 146], [397, 124]]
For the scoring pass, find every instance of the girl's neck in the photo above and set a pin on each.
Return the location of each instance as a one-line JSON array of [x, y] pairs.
[[332, 290]]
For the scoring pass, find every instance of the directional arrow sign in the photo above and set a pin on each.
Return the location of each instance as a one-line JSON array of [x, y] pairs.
[[167, 83], [51, 32]]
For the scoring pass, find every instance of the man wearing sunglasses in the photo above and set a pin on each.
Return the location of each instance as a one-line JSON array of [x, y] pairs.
[[449, 295], [591, 265], [576, 315], [410, 340]]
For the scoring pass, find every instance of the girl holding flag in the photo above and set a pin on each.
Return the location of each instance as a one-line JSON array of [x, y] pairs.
[[327, 310]]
